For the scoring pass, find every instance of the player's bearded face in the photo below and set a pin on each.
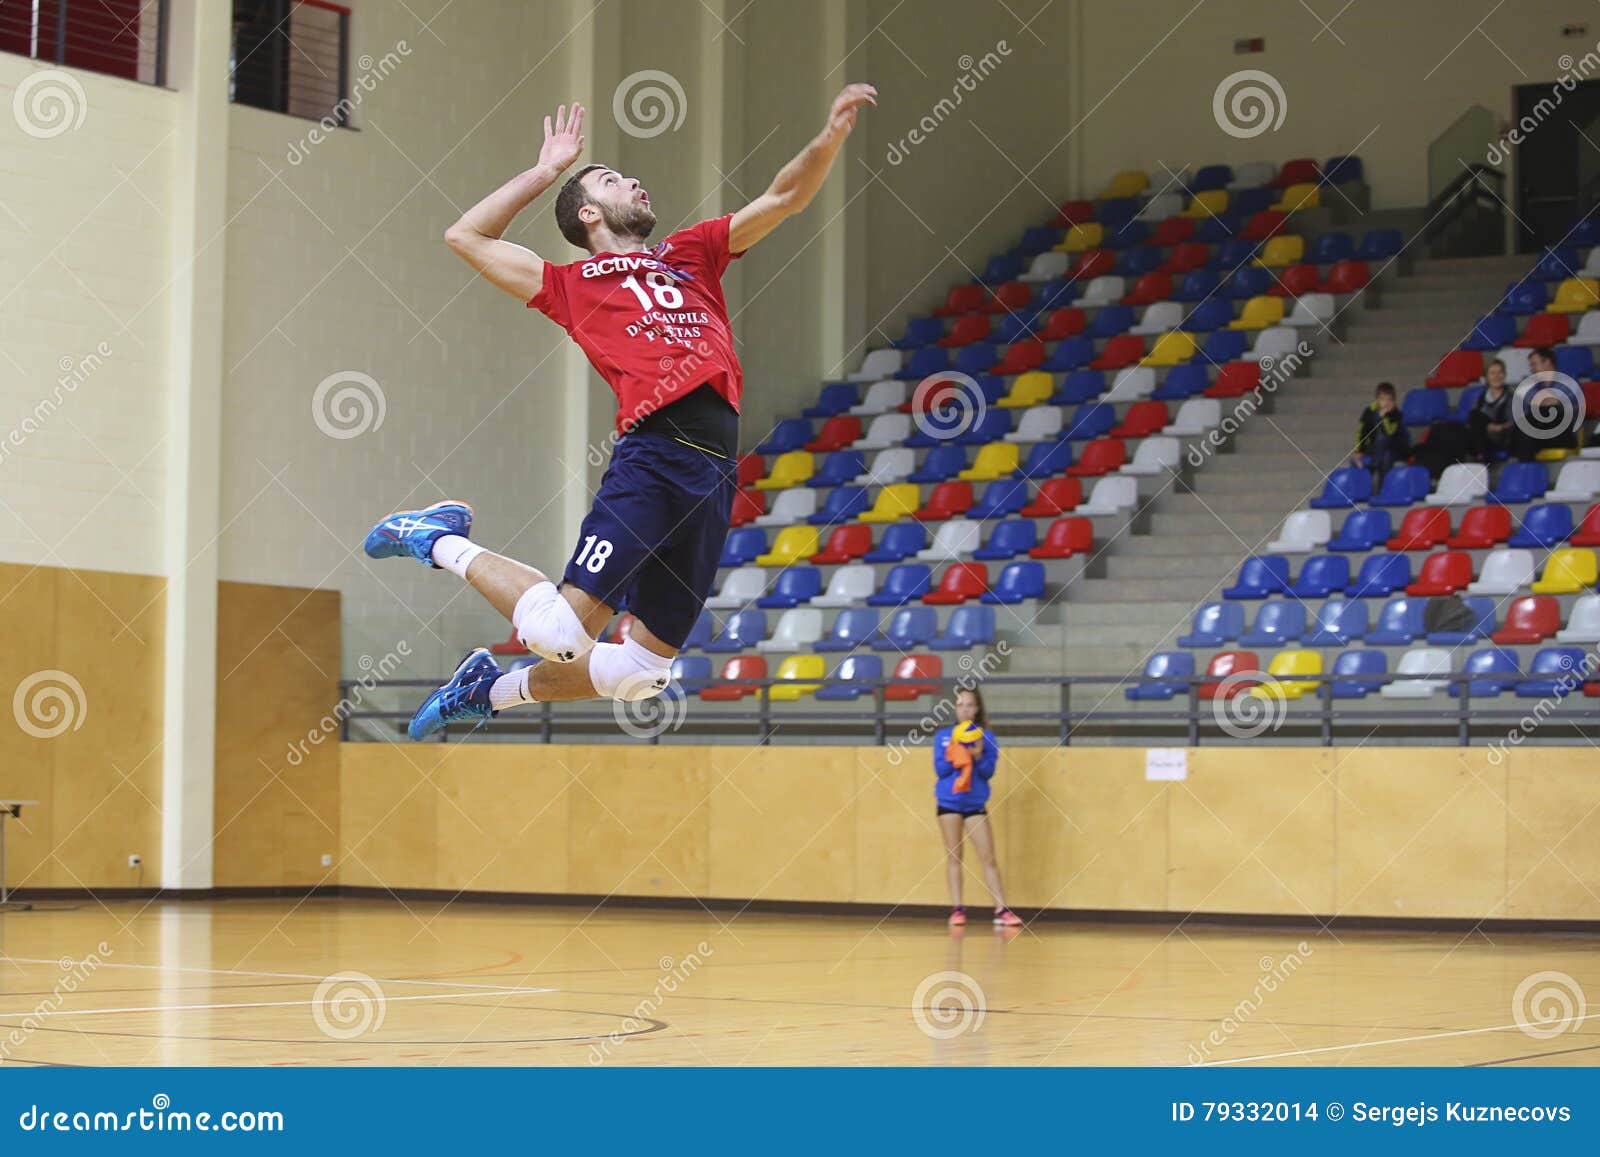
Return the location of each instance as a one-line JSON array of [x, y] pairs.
[[628, 217]]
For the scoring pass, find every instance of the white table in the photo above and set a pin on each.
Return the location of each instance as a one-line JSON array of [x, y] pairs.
[[10, 809]]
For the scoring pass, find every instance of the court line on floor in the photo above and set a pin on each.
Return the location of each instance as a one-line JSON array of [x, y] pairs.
[[498, 988], [1398, 1041], [386, 1000]]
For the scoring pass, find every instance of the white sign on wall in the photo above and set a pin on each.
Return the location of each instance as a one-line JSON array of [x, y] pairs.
[[1166, 763]]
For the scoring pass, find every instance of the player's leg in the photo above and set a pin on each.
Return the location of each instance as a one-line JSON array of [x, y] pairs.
[[950, 827], [982, 836]]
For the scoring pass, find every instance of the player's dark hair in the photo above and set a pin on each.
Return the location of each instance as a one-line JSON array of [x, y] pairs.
[[1546, 353], [1385, 389], [982, 717], [573, 197]]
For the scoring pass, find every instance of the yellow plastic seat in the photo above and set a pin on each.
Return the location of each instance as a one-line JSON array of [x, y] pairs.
[[1282, 250], [1030, 389], [788, 470], [793, 544], [1576, 295], [1081, 237], [1292, 674], [1306, 196], [1568, 571], [1211, 203], [1173, 348], [1128, 183], [894, 503], [794, 670], [1259, 313], [1554, 454], [995, 460]]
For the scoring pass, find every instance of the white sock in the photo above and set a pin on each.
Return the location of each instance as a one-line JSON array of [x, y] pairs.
[[455, 553], [510, 690]]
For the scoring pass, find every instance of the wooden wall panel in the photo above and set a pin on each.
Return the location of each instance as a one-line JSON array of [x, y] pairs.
[[27, 761], [1552, 832], [782, 827]]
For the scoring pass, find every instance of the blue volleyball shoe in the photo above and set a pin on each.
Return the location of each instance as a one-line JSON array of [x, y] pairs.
[[464, 698], [413, 532]]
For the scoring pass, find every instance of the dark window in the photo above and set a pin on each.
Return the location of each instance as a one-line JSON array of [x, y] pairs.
[[120, 37], [290, 56]]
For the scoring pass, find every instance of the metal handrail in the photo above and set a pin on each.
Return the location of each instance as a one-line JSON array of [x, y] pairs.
[[1468, 189]]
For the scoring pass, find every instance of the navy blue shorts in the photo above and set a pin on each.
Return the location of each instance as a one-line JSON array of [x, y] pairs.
[[653, 538]]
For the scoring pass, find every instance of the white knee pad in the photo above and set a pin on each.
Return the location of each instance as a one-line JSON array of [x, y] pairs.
[[548, 626], [628, 671]]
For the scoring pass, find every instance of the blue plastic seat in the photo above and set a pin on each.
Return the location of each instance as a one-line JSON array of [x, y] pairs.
[[1052, 295], [837, 468], [1009, 538], [1576, 361], [789, 434], [1182, 382], [1363, 530], [794, 585], [1424, 407], [1562, 671], [1322, 575], [1279, 621], [1489, 661], [1037, 239], [977, 358], [1091, 420], [854, 673], [1328, 248], [701, 633], [907, 581], [743, 545], [1126, 235], [1585, 233], [1380, 245], [1198, 286], [1381, 574], [1482, 627], [1235, 255], [1399, 623], [1557, 264], [992, 426], [1248, 282], [1353, 663], [688, 669], [1010, 327], [968, 627], [1002, 268], [1223, 346], [1115, 211], [1491, 333], [1466, 402], [1546, 525], [841, 505], [1343, 169], [1078, 387], [1215, 228], [1138, 261], [1260, 576], [1002, 497], [1207, 316], [1520, 482], [1339, 623], [1211, 177], [1403, 486], [1344, 488], [909, 627], [1173, 665], [743, 629], [1215, 624], [900, 541], [1111, 321], [1523, 297], [1044, 459], [1248, 202], [1018, 582], [1071, 354], [942, 464], [924, 363], [852, 627], [835, 398], [920, 331]]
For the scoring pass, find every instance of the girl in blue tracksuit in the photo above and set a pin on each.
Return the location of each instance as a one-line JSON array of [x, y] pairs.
[[962, 792]]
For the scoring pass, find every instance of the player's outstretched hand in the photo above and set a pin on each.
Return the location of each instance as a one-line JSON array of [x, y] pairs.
[[563, 141], [842, 116]]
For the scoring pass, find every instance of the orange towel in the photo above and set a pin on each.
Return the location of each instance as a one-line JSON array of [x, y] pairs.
[[960, 755]]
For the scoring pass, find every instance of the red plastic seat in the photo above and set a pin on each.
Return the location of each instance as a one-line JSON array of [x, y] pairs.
[[1300, 171], [1347, 277], [961, 299], [1265, 224], [1055, 496], [1102, 456], [748, 505], [1186, 257], [1592, 690], [1531, 619], [836, 433], [1588, 530], [961, 581], [947, 500], [738, 667], [1073, 213], [1544, 329], [1123, 350], [1151, 287], [1142, 420], [912, 668], [1068, 321], [1591, 397], [1020, 357], [850, 541], [1234, 380], [1296, 280], [1422, 529], [1444, 573], [1007, 298], [621, 630], [1457, 368], [1065, 538], [1093, 263], [1224, 664], [512, 646], [1172, 231], [969, 328], [752, 468], [1481, 527]]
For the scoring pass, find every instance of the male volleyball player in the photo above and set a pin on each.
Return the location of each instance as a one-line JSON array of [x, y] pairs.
[[653, 323]]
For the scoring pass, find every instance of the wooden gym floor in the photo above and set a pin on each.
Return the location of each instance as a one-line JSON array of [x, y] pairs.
[[247, 982]]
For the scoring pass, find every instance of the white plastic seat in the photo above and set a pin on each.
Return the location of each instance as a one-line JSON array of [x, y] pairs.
[[1274, 342], [1591, 267], [1160, 317], [1504, 572], [1588, 329], [1037, 424], [955, 539], [742, 586], [1105, 290], [1461, 484], [1253, 174], [878, 364], [1047, 267], [1196, 416], [1161, 206], [1312, 309], [1516, 361], [890, 465], [796, 504], [1303, 531], [1431, 664], [1583, 622], [849, 587], [884, 431], [1154, 456], [1578, 481], [798, 628], [881, 397], [1131, 384], [1111, 495]]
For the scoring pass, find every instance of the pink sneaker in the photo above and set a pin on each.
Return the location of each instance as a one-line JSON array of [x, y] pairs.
[[1007, 918], [958, 917]]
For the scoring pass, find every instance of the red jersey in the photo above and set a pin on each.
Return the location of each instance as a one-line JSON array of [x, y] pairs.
[[653, 323]]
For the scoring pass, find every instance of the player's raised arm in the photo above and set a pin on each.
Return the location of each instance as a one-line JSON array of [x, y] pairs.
[[477, 237], [798, 181]]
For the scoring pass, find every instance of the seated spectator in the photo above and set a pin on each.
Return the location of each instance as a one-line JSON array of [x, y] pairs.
[[1546, 409], [1381, 438], [1490, 420]]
